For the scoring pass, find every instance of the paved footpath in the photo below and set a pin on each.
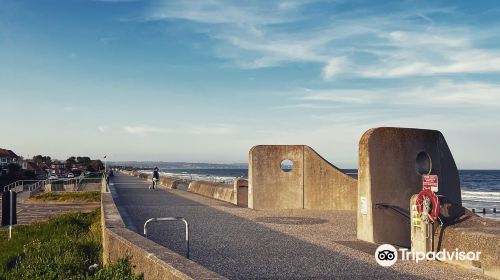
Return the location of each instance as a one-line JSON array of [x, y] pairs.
[[241, 243]]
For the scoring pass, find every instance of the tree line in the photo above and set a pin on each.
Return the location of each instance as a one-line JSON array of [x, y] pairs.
[[82, 163]]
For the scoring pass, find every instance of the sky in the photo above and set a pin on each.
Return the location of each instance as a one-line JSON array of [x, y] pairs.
[[204, 81]]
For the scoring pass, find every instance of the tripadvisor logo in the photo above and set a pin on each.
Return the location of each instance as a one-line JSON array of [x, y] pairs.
[[387, 255]]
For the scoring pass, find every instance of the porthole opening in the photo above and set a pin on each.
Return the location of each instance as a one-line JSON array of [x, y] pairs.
[[423, 163], [286, 165]]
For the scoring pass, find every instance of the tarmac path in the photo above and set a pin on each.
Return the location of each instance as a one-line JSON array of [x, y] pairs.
[[241, 243]]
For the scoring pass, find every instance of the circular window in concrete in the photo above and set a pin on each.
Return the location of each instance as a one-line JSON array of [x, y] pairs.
[[424, 163], [287, 165]]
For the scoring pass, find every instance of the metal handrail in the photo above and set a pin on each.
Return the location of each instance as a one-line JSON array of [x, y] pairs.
[[396, 209], [170, 219], [16, 184]]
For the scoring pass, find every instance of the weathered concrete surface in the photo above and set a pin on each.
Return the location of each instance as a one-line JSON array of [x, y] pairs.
[[241, 243], [170, 182], [241, 192], [149, 258], [388, 174], [325, 186], [461, 230], [313, 183], [220, 191], [469, 233]]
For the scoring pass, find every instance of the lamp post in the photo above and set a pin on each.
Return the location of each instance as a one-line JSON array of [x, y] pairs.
[[105, 165]]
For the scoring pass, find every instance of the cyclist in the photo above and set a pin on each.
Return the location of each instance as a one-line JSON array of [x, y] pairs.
[[156, 178]]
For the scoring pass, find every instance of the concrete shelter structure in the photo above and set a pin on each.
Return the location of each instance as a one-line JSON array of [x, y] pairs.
[[296, 177], [391, 164]]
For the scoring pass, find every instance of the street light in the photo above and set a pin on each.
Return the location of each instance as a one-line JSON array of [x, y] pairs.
[[105, 165]]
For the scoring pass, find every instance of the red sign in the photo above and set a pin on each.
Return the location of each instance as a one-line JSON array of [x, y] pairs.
[[430, 182]]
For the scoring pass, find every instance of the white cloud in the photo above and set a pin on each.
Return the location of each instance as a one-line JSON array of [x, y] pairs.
[[440, 93], [357, 43], [305, 106], [334, 67], [141, 130]]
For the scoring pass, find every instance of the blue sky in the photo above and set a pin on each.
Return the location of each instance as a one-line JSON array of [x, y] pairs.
[[206, 80]]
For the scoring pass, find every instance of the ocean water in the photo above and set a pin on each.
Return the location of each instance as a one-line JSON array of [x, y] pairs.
[[480, 188]]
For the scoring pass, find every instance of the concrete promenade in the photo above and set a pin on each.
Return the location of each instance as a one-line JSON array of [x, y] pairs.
[[241, 243]]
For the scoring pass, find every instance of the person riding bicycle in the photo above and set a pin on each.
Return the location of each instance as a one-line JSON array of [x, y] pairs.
[[156, 178]]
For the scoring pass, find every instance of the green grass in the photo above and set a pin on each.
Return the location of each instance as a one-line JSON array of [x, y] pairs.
[[61, 248], [68, 197]]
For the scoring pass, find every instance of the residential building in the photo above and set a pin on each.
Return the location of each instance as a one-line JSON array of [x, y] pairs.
[[35, 168], [7, 157], [58, 167]]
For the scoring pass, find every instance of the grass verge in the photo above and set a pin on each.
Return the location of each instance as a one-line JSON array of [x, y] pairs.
[[68, 197], [65, 247]]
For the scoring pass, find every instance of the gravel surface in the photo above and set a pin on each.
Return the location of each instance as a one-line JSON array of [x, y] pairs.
[[241, 243]]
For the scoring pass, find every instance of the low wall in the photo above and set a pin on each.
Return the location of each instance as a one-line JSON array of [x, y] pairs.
[[474, 234], [218, 191], [73, 186], [170, 182], [147, 257], [467, 232], [167, 182]]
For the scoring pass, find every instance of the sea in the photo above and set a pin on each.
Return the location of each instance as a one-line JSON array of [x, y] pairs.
[[480, 188]]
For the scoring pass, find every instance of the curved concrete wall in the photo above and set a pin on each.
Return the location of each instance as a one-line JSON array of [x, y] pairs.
[[218, 191], [388, 174], [313, 182], [325, 186]]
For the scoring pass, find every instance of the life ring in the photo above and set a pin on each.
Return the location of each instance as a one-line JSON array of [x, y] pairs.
[[433, 214]]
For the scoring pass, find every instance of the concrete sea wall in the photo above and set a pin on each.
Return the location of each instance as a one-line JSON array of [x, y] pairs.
[[218, 191], [472, 234], [237, 193], [311, 183], [165, 181]]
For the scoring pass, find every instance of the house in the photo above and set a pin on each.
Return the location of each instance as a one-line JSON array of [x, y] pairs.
[[35, 168], [7, 157], [58, 167]]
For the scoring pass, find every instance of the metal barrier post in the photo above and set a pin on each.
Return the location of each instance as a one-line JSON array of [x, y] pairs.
[[170, 219]]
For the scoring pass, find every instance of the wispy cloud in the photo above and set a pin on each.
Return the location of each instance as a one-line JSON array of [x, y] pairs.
[[357, 43], [445, 93], [102, 128], [305, 106], [141, 130], [433, 99]]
